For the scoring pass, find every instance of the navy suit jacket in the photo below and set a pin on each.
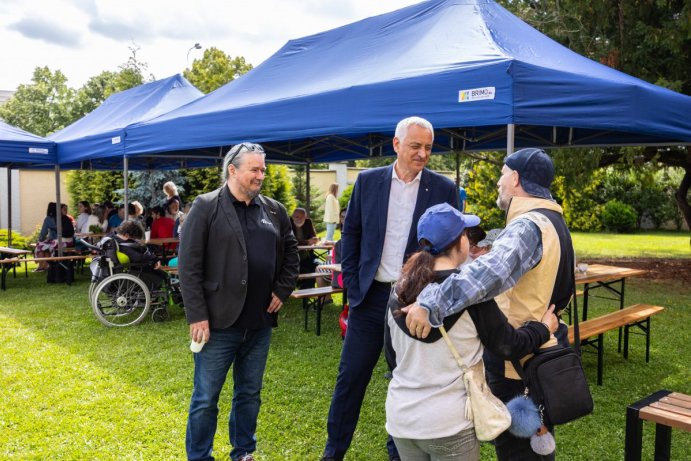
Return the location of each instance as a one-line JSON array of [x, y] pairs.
[[364, 228]]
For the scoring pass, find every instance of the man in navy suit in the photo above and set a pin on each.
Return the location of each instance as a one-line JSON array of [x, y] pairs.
[[379, 233]]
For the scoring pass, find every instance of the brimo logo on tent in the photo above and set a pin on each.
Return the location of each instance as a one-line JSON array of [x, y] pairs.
[[476, 94]]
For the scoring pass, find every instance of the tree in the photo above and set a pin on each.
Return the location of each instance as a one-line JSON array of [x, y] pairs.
[[43, 106], [482, 189], [200, 181], [215, 69], [98, 186], [650, 39], [147, 186], [278, 186]]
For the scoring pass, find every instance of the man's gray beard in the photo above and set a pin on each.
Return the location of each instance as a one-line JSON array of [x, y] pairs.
[[502, 206]]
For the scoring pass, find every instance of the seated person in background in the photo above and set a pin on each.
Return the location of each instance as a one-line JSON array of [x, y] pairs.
[[48, 236], [484, 245], [162, 225], [98, 219], [63, 210], [180, 217], [134, 211], [304, 232], [84, 212], [177, 230], [116, 218], [128, 238], [474, 234]]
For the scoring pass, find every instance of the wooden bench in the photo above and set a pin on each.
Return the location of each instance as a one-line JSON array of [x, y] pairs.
[[14, 257], [314, 298], [9, 261], [667, 410], [312, 275], [636, 315]]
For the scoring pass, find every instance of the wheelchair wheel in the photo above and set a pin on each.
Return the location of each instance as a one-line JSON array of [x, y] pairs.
[[160, 314], [121, 300]]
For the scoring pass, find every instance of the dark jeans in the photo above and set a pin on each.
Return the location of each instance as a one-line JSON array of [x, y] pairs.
[[508, 447], [246, 351], [362, 347]]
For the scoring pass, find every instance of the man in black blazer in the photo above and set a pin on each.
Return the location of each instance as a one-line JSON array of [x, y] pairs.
[[238, 262], [379, 233]]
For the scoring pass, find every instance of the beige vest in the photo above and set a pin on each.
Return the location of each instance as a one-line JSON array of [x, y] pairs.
[[529, 298]]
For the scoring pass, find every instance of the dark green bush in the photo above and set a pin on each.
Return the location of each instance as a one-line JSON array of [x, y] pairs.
[[619, 217]]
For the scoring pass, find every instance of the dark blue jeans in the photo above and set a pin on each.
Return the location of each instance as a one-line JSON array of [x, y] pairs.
[[246, 351], [361, 350]]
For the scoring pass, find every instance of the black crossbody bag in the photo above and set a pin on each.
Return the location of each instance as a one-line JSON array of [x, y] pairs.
[[555, 380]]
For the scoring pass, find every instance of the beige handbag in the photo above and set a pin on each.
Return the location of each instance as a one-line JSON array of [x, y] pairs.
[[489, 414]]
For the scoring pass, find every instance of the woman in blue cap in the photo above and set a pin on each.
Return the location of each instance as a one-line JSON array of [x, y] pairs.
[[425, 404]]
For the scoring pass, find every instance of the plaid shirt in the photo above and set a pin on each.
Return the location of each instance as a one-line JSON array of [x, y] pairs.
[[517, 250]]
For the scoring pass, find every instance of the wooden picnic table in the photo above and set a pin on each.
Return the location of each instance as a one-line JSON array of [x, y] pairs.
[[162, 240], [607, 277], [17, 256]]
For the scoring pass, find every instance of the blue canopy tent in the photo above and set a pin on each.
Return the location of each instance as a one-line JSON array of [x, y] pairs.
[[21, 149], [97, 140], [483, 77]]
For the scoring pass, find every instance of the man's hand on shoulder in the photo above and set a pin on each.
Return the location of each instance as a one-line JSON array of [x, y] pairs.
[[417, 320]]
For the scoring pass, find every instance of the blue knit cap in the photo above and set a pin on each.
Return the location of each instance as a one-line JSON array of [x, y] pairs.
[[535, 171]]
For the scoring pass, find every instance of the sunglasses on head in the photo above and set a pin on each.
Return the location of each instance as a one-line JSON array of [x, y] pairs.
[[249, 147]]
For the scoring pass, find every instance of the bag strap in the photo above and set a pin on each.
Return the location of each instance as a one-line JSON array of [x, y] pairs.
[[576, 330], [455, 353]]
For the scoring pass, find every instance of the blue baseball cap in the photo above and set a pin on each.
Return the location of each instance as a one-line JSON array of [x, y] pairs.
[[535, 171], [441, 225]]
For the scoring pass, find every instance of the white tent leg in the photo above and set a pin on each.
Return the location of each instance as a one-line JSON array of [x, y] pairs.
[[510, 134]]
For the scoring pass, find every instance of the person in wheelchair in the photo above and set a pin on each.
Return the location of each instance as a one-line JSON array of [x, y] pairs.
[[125, 248]]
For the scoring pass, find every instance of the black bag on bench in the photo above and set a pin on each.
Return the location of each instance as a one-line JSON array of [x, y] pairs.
[[61, 272]]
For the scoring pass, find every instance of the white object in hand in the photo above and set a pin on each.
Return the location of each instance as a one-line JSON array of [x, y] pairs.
[[196, 347]]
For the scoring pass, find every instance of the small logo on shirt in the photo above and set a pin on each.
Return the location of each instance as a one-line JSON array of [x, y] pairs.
[[264, 221]]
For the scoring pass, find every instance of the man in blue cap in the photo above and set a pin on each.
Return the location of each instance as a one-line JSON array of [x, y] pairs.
[[530, 266]]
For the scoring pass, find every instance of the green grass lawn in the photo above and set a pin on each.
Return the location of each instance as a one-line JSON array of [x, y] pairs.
[[72, 389], [651, 244]]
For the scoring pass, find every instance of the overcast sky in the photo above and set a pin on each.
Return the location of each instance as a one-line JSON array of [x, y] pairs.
[[82, 38]]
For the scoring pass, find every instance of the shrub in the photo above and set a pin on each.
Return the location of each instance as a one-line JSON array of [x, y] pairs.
[[345, 197], [18, 240], [619, 217]]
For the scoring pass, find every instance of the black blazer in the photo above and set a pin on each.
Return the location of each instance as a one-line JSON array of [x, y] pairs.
[[364, 228], [213, 258]]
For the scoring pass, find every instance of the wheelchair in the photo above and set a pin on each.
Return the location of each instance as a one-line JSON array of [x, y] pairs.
[[123, 293]]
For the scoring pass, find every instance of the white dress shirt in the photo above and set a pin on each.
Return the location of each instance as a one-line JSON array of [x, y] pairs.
[[399, 218]]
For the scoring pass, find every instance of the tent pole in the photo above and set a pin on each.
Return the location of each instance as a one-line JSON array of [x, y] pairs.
[[125, 182], [458, 168], [9, 207], [510, 134], [58, 208], [307, 186]]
